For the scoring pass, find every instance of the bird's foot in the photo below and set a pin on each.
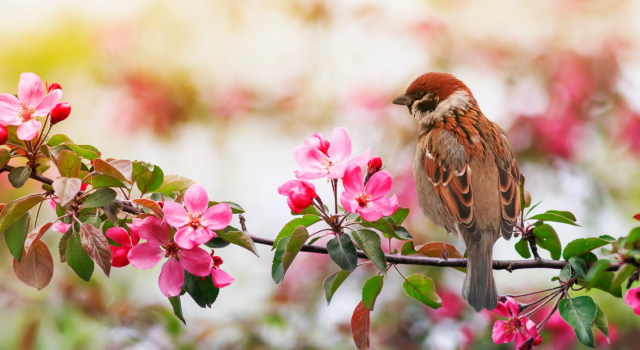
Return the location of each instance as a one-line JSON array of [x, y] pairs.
[[444, 255]]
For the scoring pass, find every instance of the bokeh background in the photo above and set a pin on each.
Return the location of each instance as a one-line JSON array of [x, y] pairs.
[[222, 91]]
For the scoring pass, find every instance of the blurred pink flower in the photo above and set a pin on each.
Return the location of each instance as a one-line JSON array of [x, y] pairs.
[[300, 194], [220, 278], [614, 334], [60, 227], [197, 224], [369, 200], [158, 245], [452, 306], [321, 158], [632, 298], [233, 102], [563, 335], [126, 242], [518, 328], [31, 103], [630, 131]]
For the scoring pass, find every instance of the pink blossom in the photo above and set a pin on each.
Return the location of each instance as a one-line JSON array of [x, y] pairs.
[[126, 242], [198, 223], [31, 103], [60, 227], [158, 245], [300, 194], [321, 158], [220, 278], [518, 328], [369, 200], [632, 298], [563, 336], [52, 202]]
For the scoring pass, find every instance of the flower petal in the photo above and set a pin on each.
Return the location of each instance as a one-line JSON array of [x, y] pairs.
[[145, 256], [379, 185], [48, 103], [520, 338], [502, 310], [319, 142], [336, 171], [309, 159], [288, 186], [499, 335], [383, 206], [9, 117], [30, 89], [340, 147], [120, 236], [353, 181], [220, 278], [133, 229], [196, 199], [632, 298], [202, 235], [369, 214], [345, 201], [175, 214], [28, 130], [154, 232], [197, 261], [119, 256], [513, 307], [10, 102], [217, 217], [183, 237], [529, 327], [307, 175], [171, 278], [361, 159], [60, 227]]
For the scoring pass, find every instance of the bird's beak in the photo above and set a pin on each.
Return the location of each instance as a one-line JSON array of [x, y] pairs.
[[403, 100]]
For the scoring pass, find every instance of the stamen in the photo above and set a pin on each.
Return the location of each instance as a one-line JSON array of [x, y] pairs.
[[363, 199]]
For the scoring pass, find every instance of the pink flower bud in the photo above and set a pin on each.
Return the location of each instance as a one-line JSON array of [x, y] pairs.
[[4, 134], [83, 187], [60, 112], [300, 194], [54, 86], [217, 261], [374, 165]]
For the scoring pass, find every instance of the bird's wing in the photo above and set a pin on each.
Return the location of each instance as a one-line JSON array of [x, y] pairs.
[[447, 168], [509, 186]]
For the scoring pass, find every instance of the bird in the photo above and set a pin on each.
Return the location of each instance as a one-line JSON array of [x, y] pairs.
[[466, 175]]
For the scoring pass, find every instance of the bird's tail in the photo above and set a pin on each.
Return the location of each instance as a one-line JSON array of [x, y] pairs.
[[479, 288]]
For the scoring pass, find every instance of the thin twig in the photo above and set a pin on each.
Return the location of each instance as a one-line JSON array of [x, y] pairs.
[[527, 294]]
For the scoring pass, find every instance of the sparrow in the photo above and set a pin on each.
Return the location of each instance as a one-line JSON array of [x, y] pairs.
[[467, 178]]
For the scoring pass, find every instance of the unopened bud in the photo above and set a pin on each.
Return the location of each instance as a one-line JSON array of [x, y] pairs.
[[217, 261], [375, 164], [60, 112], [4, 134], [527, 199], [54, 86]]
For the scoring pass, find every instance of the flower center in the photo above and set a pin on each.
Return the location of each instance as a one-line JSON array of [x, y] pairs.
[[511, 326], [195, 220], [172, 250], [26, 112], [363, 199], [328, 164]]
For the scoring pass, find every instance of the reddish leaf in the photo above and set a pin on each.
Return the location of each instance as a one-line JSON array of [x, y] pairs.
[[361, 327], [97, 246], [433, 250], [36, 268], [66, 188], [103, 167], [34, 236], [637, 217], [152, 205], [125, 167]]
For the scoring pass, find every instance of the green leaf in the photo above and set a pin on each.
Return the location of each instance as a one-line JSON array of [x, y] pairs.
[[96, 246], [601, 323], [91, 220], [68, 164], [564, 217], [595, 272], [58, 139], [85, 151], [62, 246], [66, 188], [217, 242], [408, 248], [343, 252], [579, 313], [240, 239], [579, 266], [313, 240], [306, 221], [400, 215], [333, 282], [235, 207], [421, 288], [371, 290], [589, 257], [565, 274], [580, 246], [633, 238], [5, 156], [604, 284], [522, 247], [204, 293], [103, 167], [310, 210], [112, 210], [147, 180], [172, 183], [16, 234], [547, 239], [103, 180], [370, 244], [42, 165], [176, 305], [607, 238], [16, 208], [77, 258], [100, 198], [530, 209], [622, 274], [277, 271], [296, 241], [402, 233], [383, 226], [19, 176]]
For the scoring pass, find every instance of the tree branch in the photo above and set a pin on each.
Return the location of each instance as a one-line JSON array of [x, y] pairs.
[[509, 265]]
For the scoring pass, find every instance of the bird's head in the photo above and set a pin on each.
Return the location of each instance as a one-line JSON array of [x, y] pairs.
[[433, 95]]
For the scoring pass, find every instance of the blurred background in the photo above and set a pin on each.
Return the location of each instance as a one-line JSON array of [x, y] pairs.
[[222, 92]]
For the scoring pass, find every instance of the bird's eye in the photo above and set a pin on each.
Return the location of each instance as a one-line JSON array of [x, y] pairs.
[[428, 104]]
